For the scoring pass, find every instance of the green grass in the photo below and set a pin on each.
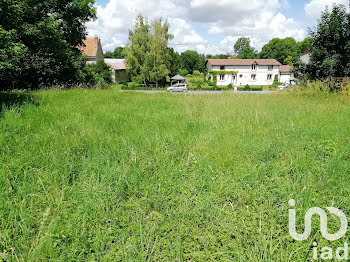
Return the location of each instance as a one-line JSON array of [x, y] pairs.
[[100, 175]]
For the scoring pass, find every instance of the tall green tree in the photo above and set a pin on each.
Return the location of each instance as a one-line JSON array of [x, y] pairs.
[[147, 51], [118, 53], [193, 61], [331, 44], [39, 41], [304, 45], [248, 53], [219, 56], [137, 47], [241, 44], [285, 51], [156, 57], [174, 62]]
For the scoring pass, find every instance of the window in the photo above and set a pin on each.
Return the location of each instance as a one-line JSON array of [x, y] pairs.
[[253, 77], [254, 66], [222, 68], [269, 77], [270, 68], [222, 77]]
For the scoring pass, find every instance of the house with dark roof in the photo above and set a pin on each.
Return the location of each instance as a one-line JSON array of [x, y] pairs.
[[239, 72], [92, 50]]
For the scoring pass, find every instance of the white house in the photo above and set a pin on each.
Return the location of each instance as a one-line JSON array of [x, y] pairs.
[[239, 72], [305, 58], [286, 74]]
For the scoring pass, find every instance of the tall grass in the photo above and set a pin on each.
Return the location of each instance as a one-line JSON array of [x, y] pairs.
[[109, 176]]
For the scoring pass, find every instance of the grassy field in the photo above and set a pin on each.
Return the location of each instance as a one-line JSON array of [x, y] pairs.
[[101, 175]]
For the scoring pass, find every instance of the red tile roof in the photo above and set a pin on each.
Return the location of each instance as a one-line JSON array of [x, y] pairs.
[[90, 46], [285, 69], [242, 62], [307, 52]]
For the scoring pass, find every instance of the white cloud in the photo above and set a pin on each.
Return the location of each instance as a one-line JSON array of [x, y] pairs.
[[198, 24], [259, 20], [314, 8]]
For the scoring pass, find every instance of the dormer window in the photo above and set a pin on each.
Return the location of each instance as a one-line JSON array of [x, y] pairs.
[[270, 67], [222, 68], [254, 66]]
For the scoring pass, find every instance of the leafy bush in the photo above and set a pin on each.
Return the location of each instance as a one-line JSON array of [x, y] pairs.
[[196, 73], [98, 75], [230, 86], [183, 72], [250, 88], [189, 75], [275, 82]]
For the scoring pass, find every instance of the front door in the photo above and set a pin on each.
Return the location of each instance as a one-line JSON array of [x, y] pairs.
[[234, 79]]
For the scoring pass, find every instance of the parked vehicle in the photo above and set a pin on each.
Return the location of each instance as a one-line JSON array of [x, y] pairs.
[[284, 86], [178, 88]]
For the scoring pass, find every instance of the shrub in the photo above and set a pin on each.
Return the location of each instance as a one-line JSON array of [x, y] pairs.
[[250, 88], [125, 85], [183, 72], [230, 86], [196, 73], [98, 75], [189, 75], [210, 83]]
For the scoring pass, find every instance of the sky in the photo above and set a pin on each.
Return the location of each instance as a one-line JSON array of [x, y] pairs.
[[210, 26]]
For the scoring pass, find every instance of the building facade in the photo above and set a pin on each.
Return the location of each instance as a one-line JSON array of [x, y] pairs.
[[118, 67], [240, 72], [305, 58]]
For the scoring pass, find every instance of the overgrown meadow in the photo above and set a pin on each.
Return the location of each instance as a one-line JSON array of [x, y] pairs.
[[104, 175]]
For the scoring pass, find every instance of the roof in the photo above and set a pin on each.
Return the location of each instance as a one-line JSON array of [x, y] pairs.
[[117, 66], [178, 77], [285, 69], [243, 62], [90, 46], [307, 52]]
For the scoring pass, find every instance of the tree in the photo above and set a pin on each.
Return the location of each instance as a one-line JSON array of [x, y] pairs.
[[331, 44], [283, 50], [220, 56], [117, 53], [136, 49], [99, 74], [241, 44], [304, 45], [193, 61], [248, 53], [156, 58], [39, 41], [174, 62], [147, 51]]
